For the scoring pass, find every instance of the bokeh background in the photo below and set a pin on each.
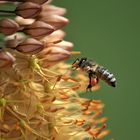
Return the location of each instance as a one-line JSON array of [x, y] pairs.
[[108, 31]]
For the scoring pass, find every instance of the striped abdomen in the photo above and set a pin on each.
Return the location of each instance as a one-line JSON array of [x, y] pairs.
[[105, 75]]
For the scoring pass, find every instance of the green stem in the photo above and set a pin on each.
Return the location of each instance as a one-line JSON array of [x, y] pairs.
[[6, 13]]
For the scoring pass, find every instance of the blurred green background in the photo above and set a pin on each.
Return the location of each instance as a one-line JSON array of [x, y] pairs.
[[108, 31]]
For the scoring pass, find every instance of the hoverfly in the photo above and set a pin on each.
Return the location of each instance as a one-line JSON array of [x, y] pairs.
[[95, 72]]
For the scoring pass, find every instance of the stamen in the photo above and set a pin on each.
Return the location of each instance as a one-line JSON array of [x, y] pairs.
[[75, 52]]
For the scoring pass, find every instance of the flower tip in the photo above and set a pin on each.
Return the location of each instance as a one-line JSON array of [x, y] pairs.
[[28, 10], [38, 1], [6, 59], [22, 21], [39, 29], [30, 45], [56, 21], [75, 52], [8, 26]]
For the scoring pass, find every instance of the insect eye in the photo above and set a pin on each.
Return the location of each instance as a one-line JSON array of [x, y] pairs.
[[83, 59]]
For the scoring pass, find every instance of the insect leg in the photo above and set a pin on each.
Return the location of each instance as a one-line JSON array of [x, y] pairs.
[[90, 83], [93, 81]]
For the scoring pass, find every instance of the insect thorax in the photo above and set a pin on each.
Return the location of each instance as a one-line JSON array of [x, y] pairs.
[[90, 66]]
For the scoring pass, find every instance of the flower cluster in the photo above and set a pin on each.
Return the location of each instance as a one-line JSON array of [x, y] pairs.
[[29, 32], [38, 95]]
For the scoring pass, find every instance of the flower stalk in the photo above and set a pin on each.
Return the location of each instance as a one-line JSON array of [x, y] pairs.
[[38, 93]]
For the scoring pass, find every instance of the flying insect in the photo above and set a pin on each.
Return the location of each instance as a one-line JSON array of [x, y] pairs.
[[95, 72]]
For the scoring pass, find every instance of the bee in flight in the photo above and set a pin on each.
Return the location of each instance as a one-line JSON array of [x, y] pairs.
[[95, 72]]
